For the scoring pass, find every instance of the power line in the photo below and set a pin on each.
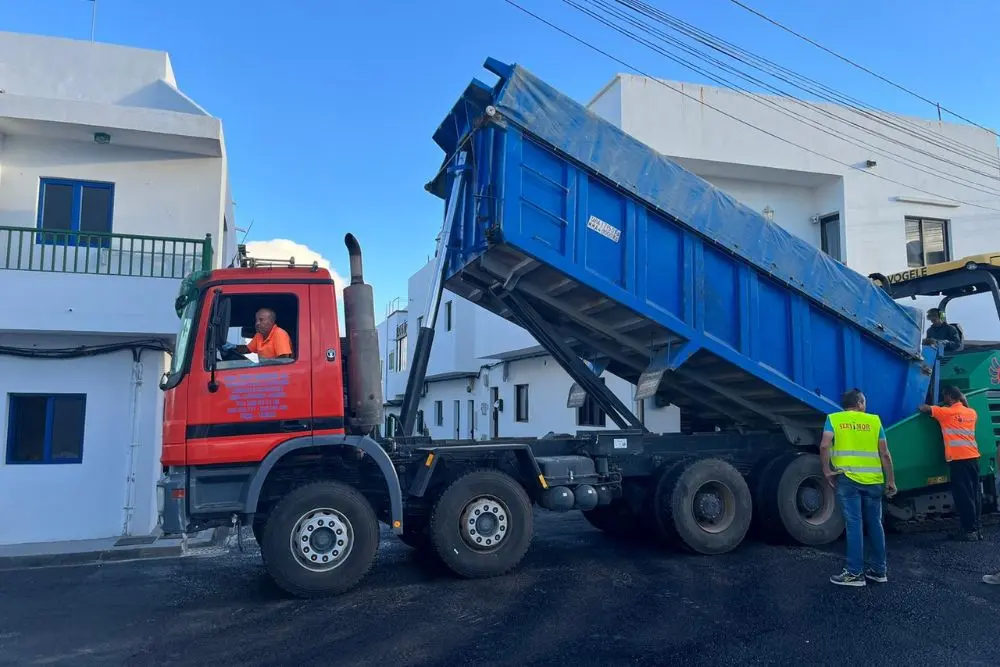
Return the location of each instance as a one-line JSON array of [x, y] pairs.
[[819, 89], [917, 166], [858, 65], [731, 116]]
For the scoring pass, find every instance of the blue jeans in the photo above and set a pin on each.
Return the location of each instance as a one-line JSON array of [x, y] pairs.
[[862, 507]]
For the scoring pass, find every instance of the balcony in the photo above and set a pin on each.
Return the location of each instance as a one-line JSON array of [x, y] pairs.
[[90, 282], [131, 255]]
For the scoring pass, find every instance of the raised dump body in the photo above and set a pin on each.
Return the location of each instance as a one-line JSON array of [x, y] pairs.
[[655, 274]]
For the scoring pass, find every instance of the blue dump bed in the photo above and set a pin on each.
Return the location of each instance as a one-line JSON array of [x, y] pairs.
[[658, 276]]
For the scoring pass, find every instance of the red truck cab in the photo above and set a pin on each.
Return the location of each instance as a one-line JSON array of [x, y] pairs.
[[240, 433], [245, 407]]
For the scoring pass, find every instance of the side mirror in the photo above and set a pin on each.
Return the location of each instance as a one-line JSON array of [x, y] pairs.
[[211, 346]]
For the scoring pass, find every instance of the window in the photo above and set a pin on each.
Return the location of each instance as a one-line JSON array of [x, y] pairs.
[[439, 413], [927, 242], [401, 352], [590, 413], [829, 231], [241, 327], [45, 428], [447, 316], [75, 212], [521, 403], [420, 422]]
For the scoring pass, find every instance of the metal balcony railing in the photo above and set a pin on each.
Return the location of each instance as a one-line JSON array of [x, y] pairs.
[[96, 253]]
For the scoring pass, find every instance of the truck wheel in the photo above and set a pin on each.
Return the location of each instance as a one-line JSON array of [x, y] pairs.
[[763, 481], [803, 503], [320, 539], [482, 524], [706, 504]]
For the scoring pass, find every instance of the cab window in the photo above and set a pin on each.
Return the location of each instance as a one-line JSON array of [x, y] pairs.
[[240, 349]]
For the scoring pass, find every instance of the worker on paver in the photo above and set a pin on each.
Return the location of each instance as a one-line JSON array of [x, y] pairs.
[[861, 471], [943, 332], [958, 430]]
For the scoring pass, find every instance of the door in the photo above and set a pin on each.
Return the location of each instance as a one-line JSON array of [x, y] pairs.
[[472, 419], [458, 420], [257, 403], [495, 412], [829, 231]]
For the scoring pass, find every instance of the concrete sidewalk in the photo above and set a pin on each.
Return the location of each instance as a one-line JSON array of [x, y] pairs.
[[105, 550]]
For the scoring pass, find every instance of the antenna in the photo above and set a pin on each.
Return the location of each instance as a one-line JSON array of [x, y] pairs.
[[93, 19]]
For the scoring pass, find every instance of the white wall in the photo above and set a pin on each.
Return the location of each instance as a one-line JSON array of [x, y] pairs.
[[393, 381], [155, 193], [548, 389], [682, 127], [607, 103], [793, 205], [41, 66], [86, 500]]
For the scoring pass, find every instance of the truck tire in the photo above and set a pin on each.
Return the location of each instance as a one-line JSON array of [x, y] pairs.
[[803, 506], [320, 539], [766, 523], [705, 504], [482, 524]]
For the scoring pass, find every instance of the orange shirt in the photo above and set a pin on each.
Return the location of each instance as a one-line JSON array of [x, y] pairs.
[[958, 428], [276, 344]]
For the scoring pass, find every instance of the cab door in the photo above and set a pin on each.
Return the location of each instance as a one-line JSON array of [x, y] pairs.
[[249, 405]]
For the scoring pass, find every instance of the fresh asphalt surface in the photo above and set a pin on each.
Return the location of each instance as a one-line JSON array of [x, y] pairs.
[[579, 598]]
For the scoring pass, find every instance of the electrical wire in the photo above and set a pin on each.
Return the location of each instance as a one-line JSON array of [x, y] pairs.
[[134, 346], [909, 162], [735, 118], [813, 86], [858, 65]]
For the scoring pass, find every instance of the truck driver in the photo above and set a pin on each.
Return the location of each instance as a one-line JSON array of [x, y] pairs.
[[270, 341]]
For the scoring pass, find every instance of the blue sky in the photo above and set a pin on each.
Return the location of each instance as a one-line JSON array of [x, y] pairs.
[[328, 106]]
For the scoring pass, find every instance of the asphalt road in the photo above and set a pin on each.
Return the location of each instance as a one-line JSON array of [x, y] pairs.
[[579, 598]]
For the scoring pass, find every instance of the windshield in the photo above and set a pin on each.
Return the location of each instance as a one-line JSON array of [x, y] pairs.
[[183, 336]]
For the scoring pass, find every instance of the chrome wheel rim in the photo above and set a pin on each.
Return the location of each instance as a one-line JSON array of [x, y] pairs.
[[322, 539]]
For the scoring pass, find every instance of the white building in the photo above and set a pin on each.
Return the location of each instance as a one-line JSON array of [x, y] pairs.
[[884, 203], [113, 186]]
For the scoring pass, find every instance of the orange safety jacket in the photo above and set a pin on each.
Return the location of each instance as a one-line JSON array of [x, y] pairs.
[[958, 428]]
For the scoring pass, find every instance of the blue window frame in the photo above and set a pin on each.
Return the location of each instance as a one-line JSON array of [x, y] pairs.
[[45, 428], [72, 212]]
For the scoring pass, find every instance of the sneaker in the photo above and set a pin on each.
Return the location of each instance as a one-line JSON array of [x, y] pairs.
[[875, 576], [845, 578], [992, 578]]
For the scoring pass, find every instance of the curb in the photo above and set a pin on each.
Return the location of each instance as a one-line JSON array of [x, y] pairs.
[[162, 548]]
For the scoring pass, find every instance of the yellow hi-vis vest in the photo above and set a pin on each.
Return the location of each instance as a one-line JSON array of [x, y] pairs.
[[855, 446]]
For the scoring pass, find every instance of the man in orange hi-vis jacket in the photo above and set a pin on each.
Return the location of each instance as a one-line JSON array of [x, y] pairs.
[[958, 429]]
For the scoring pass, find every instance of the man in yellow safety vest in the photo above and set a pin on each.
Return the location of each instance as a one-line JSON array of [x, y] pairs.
[[861, 471]]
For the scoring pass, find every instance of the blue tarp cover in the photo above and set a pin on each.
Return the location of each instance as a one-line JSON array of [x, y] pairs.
[[566, 125]]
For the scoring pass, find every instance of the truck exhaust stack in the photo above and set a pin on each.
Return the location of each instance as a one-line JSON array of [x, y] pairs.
[[363, 411]]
